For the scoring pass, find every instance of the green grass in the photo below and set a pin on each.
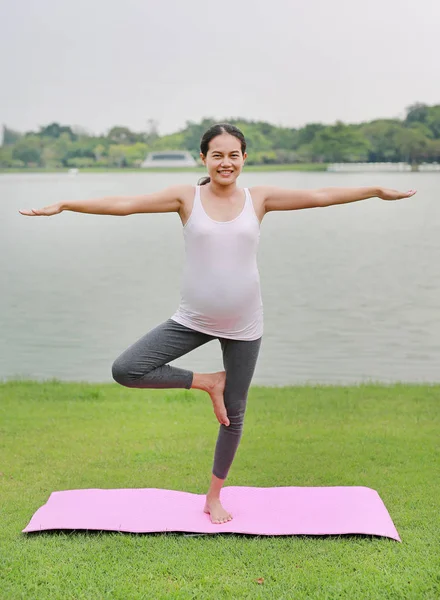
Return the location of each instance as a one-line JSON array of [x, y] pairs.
[[202, 170], [56, 436]]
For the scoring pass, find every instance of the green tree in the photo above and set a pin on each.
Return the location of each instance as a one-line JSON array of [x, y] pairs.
[[381, 135], [417, 113], [61, 147], [123, 135], [55, 131], [192, 134], [118, 155], [135, 154], [29, 150], [10, 137], [413, 145], [433, 121], [284, 139], [413, 139], [49, 157], [6, 160], [339, 143], [256, 141], [307, 134], [99, 151], [152, 132], [433, 150]]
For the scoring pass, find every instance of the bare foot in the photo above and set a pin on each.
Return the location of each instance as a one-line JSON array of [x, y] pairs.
[[216, 393], [217, 512]]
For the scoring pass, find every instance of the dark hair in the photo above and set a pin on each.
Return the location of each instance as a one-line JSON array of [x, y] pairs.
[[213, 132]]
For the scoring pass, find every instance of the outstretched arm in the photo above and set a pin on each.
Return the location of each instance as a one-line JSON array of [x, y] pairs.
[[167, 200], [276, 198]]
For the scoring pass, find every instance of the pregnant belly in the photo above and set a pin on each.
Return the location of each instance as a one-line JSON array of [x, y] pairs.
[[222, 296]]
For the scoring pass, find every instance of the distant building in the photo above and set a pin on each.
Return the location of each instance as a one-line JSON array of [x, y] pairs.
[[169, 158]]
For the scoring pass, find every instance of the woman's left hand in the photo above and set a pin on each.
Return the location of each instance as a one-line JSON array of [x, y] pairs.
[[386, 194]]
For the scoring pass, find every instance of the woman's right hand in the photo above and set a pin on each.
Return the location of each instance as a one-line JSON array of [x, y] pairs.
[[47, 211]]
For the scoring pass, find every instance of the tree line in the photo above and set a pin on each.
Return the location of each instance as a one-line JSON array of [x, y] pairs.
[[414, 139]]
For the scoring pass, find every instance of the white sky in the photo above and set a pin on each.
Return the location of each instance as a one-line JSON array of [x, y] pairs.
[[101, 63]]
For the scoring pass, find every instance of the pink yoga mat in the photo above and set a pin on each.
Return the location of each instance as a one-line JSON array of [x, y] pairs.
[[260, 511]]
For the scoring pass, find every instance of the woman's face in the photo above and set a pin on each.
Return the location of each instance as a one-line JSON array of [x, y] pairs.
[[224, 160]]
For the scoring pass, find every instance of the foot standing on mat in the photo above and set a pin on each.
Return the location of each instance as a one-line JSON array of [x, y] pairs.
[[220, 294]]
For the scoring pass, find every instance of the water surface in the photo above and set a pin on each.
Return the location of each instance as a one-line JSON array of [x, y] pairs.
[[351, 293]]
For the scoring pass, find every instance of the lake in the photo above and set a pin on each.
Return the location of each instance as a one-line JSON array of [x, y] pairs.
[[351, 293]]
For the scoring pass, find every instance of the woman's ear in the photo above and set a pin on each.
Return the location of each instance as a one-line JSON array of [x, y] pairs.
[[202, 158], [244, 156]]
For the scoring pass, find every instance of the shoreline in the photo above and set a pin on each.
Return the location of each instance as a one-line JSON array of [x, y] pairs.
[[202, 170], [300, 385]]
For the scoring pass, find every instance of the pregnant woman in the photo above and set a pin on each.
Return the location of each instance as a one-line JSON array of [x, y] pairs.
[[220, 295]]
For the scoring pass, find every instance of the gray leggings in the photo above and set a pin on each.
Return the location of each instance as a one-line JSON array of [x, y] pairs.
[[143, 365]]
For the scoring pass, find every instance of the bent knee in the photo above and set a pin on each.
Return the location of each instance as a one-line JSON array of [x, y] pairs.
[[120, 372]]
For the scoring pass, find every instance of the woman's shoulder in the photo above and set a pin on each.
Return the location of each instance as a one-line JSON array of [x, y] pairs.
[[186, 194], [258, 193], [258, 197], [183, 192], [185, 188], [258, 190]]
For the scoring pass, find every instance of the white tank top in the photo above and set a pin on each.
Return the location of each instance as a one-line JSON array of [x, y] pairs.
[[220, 291]]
